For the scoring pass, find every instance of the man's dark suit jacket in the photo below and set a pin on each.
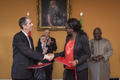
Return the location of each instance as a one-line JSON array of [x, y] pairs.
[[81, 50], [23, 56], [52, 47]]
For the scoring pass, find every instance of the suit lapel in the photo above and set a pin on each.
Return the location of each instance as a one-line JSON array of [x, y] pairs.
[[26, 40], [23, 36], [76, 45], [31, 41]]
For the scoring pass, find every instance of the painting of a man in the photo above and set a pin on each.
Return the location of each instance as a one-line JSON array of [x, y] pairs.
[[54, 12]]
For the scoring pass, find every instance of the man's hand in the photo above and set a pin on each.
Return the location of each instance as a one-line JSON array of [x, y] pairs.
[[49, 56], [97, 58], [100, 57], [39, 63], [49, 41], [45, 50]]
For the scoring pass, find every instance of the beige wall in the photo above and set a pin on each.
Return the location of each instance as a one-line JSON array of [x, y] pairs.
[[97, 13]]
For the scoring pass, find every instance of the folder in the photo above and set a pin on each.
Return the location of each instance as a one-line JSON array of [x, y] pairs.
[[64, 61], [38, 66]]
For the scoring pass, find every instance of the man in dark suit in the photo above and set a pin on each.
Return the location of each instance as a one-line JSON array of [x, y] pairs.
[[23, 52], [50, 44]]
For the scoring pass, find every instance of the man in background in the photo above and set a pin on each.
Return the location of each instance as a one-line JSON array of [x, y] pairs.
[[101, 51], [50, 44]]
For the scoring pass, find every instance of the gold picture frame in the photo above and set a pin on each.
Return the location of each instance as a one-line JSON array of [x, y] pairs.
[[53, 14]]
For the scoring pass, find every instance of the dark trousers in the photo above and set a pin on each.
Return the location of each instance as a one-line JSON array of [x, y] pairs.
[[70, 74], [48, 73], [43, 73], [39, 74]]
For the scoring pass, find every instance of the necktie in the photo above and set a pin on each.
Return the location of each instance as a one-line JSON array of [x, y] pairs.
[[44, 46], [29, 41]]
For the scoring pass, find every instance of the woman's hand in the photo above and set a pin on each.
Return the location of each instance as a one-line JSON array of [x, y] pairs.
[[74, 62]]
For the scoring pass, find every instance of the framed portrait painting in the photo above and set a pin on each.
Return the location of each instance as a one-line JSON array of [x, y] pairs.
[[53, 14]]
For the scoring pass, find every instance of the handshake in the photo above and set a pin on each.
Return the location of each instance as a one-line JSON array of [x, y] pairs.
[[49, 56]]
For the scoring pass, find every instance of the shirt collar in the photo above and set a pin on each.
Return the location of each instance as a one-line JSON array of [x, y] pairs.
[[43, 45], [25, 33]]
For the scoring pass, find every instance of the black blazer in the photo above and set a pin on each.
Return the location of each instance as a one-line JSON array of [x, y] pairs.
[[52, 47], [81, 50], [23, 56]]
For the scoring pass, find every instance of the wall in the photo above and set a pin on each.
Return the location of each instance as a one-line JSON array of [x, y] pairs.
[[97, 13]]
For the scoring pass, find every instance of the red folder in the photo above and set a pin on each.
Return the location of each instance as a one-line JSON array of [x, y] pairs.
[[38, 66], [64, 61]]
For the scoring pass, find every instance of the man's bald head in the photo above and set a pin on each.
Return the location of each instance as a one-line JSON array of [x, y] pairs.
[[97, 33]]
